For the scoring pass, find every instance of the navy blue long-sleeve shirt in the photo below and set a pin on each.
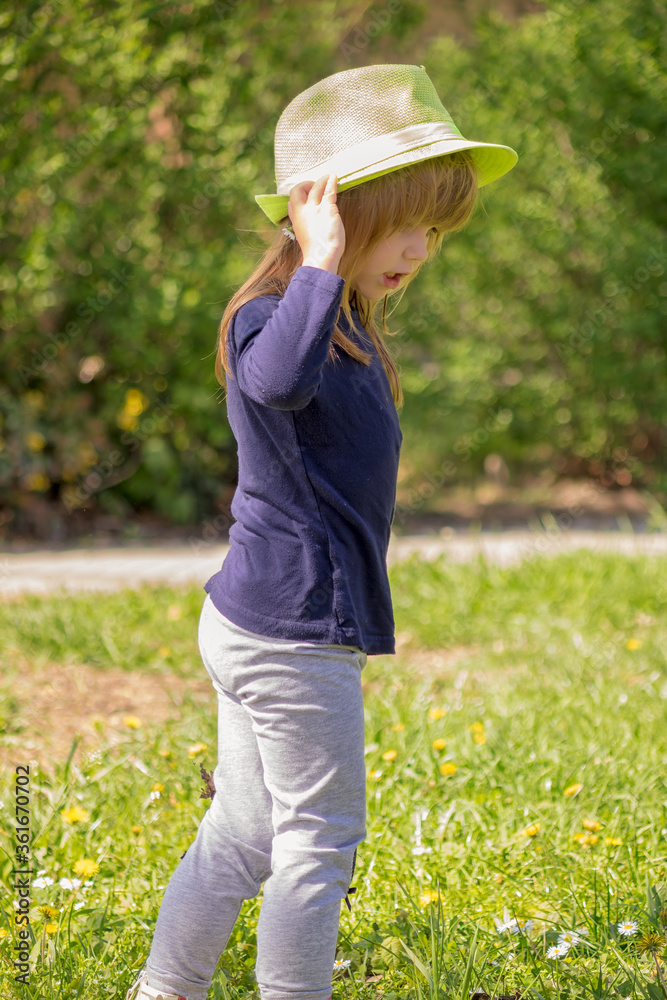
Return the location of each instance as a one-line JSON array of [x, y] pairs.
[[318, 450]]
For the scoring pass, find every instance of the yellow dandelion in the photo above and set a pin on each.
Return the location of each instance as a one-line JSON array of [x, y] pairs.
[[476, 727], [196, 748], [530, 831], [157, 787], [49, 911], [572, 789], [75, 815], [613, 841], [3, 932], [428, 897], [436, 713], [135, 404], [448, 768], [133, 721], [136, 828], [51, 928], [35, 441], [398, 727], [164, 651], [651, 944], [37, 482], [86, 867], [174, 612], [633, 644], [389, 755], [479, 739], [585, 838], [439, 744], [591, 824]]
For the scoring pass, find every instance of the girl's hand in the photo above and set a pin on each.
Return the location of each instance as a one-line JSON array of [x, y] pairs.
[[316, 221]]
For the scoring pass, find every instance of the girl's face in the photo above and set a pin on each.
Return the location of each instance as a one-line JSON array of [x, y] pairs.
[[400, 253]]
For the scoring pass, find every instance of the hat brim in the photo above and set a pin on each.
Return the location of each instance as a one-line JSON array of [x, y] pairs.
[[491, 160]]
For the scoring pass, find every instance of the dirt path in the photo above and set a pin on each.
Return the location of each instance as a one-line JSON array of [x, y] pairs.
[[115, 568]]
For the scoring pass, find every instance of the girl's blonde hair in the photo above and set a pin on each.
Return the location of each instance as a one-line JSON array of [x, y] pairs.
[[440, 192]]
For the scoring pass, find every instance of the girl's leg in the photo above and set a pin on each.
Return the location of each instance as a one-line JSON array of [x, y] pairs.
[[228, 860], [290, 801], [307, 710]]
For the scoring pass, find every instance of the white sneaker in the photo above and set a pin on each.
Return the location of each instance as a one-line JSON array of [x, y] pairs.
[[140, 990]]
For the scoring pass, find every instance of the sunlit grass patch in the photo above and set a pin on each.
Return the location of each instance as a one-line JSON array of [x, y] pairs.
[[517, 834]]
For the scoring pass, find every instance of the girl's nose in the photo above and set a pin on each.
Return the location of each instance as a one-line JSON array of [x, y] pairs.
[[417, 251]]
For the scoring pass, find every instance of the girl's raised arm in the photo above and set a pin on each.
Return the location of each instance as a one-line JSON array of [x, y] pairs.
[[280, 347]]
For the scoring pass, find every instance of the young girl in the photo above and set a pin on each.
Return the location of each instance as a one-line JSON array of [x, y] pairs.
[[372, 173]]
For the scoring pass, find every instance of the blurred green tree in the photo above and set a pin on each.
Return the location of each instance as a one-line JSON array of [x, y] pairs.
[[540, 333], [133, 137]]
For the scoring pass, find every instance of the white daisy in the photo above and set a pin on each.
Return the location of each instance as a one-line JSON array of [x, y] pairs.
[[77, 906], [42, 882], [154, 795], [502, 926], [569, 938], [69, 883], [558, 951], [514, 926], [341, 963], [627, 927]]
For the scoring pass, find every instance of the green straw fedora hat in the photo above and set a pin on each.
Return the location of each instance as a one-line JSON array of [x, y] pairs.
[[363, 123]]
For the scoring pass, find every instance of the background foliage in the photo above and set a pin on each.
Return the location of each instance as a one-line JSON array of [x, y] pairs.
[[133, 138]]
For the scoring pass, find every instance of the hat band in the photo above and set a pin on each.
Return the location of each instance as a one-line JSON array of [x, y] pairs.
[[365, 154]]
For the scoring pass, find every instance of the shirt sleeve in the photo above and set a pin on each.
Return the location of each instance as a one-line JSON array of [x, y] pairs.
[[280, 345]]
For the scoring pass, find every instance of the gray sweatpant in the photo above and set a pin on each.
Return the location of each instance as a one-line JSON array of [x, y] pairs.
[[289, 811]]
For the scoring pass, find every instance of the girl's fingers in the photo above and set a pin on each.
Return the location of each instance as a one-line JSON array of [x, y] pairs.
[[301, 191], [317, 190]]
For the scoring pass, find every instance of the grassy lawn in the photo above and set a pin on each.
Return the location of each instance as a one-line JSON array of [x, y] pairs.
[[517, 785]]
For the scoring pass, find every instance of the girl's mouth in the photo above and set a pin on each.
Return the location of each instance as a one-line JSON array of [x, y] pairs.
[[391, 280]]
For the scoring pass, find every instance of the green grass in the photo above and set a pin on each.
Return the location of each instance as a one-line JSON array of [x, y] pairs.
[[559, 680]]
